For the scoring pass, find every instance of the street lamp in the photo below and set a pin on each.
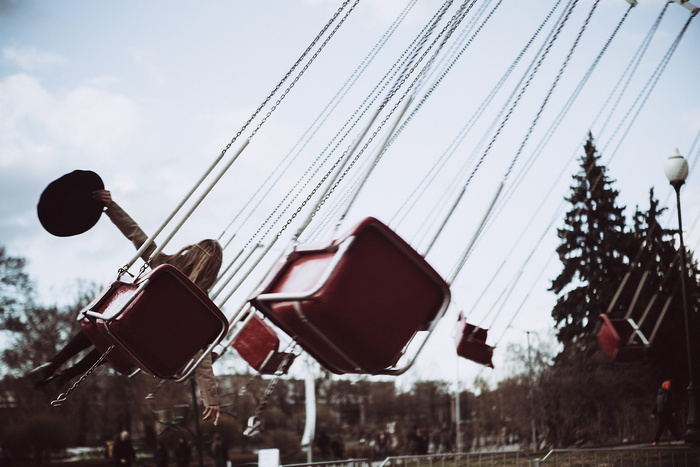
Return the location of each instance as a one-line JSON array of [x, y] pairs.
[[677, 170]]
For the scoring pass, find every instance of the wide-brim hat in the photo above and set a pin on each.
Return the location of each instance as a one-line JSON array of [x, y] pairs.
[[66, 206]]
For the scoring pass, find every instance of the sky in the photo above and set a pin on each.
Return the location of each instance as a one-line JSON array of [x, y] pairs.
[[149, 94]]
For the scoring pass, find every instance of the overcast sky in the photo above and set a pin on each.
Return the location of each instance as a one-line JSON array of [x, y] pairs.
[[148, 94]]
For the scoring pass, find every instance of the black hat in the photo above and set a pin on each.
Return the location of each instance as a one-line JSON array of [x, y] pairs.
[[66, 206]]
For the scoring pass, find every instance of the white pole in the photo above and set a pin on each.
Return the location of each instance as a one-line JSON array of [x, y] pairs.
[[458, 422], [307, 439]]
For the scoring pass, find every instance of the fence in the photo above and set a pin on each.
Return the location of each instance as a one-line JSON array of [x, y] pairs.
[[630, 456], [670, 456]]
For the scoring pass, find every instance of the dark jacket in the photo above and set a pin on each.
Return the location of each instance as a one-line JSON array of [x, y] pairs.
[[123, 453]]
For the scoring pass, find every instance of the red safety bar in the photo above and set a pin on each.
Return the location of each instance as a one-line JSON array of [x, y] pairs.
[[471, 343], [621, 339], [258, 344], [161, 322], [357, 303]]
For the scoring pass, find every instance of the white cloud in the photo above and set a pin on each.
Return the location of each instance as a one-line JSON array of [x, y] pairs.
[[30, 59], [41, 129], [92, 119], [22, 101]]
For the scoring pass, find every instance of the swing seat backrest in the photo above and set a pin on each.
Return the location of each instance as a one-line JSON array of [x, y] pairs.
[[162, 322], [258, 345], [620, 339], [356, 304], [471, 343]]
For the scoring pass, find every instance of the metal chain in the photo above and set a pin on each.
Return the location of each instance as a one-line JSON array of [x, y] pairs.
[[303, 70], [572, 5], [64, 395], [446, 31], [254, 422], [283, 95], [279, 84], [153, 393]]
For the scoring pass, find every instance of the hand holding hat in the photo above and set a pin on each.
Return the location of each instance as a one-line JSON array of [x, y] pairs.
[[67, 206]]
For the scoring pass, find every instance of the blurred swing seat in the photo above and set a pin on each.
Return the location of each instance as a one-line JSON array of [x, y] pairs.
[[471, 343], [258, 344], [159, 323], [621, 339], [357, 303]]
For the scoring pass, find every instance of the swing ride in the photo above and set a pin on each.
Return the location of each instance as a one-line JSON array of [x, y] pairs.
[[362, 302], [258, 344], [471, 343], [624, 340]]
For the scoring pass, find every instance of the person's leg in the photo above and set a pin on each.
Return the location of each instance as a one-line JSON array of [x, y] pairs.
[[675, 429], [75, 345], [78, 343], [60, 378], [82, 365], [659, 429]]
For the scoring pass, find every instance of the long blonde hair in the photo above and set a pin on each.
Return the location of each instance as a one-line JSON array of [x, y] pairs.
[[200, 262]]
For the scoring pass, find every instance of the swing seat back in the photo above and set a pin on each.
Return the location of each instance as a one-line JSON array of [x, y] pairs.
[[471, 343], [620, 339], [258, 344], [356, 304], [161, 322]]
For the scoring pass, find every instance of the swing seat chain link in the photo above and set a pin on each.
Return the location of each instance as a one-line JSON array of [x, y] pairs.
[[62, 397]]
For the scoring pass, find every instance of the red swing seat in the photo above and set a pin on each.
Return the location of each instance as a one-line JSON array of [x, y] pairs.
[[621, 339], [356, 303], [471, 343], [159, 323], [258, 344], [120, 362]]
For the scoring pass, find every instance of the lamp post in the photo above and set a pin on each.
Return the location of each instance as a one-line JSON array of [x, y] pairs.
[[531, 396], [677, 170]]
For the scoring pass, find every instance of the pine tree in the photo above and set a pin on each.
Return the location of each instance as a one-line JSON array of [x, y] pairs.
[[593, 252], [661, 300]]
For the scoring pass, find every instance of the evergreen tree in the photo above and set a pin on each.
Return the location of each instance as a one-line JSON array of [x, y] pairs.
[[625, 272], [583, 392], [661, 300], [593, 252]]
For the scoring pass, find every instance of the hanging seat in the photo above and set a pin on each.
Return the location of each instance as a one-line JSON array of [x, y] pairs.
[[621, 339], [258, 344], [159, 323], [356, 303], [471, 343]]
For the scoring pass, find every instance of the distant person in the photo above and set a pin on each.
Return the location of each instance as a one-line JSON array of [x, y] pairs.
[[664, 413], [381, 443], [161, 454], [219, 450], [182, 453], [5, 460], [109, 444], [123, 451], [338, 448], [323, 442]]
